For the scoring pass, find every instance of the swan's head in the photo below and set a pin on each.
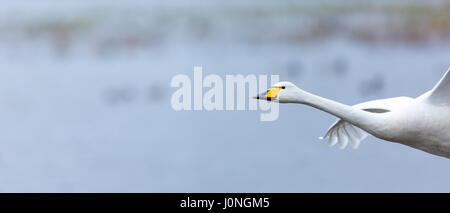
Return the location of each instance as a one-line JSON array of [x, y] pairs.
[[282, 92]]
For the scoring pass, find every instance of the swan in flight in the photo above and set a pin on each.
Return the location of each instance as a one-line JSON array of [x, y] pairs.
[[422, 123]]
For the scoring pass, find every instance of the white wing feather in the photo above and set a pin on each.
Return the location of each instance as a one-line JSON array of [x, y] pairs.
[[440, 94], [344, 133]]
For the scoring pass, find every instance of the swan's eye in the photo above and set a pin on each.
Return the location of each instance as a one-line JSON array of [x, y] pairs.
[[283, 87]]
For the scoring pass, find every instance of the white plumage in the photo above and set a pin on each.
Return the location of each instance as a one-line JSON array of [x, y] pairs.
[[345, 133], [422, 123]]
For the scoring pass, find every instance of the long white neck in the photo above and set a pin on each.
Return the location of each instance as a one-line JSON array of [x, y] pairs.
[[367, 121]]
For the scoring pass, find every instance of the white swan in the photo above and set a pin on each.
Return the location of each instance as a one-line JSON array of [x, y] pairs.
[[422, 123]]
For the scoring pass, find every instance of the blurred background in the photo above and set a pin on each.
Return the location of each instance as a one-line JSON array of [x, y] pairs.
[[85, 94]]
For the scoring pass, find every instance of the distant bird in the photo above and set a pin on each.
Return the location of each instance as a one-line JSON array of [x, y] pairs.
[[422, 123]]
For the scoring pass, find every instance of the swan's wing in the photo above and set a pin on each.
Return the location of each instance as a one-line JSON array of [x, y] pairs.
[[440, 95], [344, 133]]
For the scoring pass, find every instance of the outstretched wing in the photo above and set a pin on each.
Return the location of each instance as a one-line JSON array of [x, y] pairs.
[[440, 94], [343, 132]]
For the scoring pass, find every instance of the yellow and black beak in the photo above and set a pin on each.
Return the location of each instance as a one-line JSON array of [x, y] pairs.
[[270, 94]]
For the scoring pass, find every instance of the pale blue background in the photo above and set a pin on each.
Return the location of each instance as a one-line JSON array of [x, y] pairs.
[[85, 95]]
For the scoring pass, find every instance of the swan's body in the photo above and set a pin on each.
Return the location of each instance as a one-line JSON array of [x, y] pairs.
[[422, 123]]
